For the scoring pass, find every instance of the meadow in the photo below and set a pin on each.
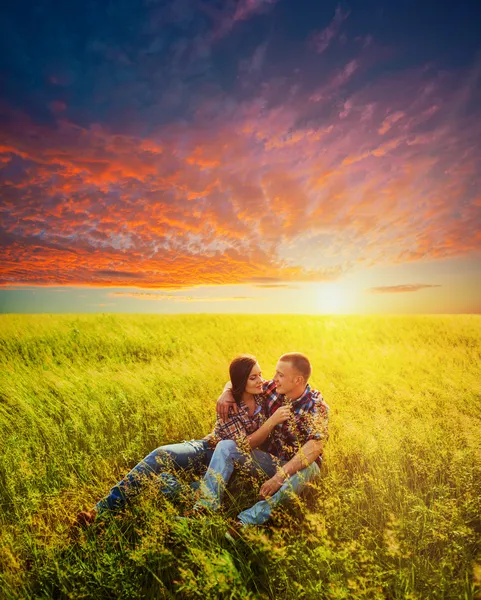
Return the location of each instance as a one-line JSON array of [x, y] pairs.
[[396, 513]]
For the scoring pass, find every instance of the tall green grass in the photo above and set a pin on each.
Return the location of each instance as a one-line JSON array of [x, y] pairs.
[[396, 513]]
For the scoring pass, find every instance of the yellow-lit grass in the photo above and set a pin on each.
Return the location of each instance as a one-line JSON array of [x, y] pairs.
[[396, 514]]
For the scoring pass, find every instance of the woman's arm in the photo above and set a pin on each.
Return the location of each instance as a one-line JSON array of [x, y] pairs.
[[255, 439], [233, 428]]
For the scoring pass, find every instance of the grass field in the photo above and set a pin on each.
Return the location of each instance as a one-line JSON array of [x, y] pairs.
[[396, 513]]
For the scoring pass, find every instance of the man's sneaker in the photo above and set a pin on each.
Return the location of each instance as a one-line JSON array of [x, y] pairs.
[[85, 518]]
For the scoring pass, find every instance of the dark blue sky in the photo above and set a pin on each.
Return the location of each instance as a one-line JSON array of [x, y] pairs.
[[108, 59]]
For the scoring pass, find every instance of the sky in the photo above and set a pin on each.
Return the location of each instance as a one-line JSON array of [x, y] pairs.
[[245, 156]]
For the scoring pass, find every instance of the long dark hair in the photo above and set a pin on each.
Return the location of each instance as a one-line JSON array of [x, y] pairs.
[[239, 371]]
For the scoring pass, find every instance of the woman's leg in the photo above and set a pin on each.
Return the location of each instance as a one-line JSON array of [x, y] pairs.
[[226, 456], [261, 512], [161, 462]]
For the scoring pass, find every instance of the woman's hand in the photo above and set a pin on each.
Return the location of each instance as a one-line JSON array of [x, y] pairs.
[[260, 435], [281, 415]]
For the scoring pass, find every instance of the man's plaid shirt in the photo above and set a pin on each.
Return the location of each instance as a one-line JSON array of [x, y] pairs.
[[239, 426], [308, 421]]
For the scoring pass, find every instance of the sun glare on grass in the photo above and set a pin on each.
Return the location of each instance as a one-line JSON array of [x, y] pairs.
[[332, 299]]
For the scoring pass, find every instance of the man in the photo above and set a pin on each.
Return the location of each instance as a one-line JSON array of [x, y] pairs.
[[293, 450]]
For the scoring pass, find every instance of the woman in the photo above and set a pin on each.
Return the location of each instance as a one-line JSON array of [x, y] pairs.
[[249, 426]]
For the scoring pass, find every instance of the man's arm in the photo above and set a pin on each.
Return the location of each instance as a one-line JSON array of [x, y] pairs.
[[306, 455], [226, 401]]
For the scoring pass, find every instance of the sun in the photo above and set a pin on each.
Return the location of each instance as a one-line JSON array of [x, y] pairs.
[[332, 298]]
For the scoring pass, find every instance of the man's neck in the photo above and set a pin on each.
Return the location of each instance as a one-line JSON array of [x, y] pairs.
[[295, 394]]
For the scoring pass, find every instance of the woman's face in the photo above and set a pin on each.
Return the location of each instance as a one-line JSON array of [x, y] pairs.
[[254, 381]]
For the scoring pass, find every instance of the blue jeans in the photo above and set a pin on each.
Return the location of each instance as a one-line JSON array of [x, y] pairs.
[[160, 463], [222, 464]]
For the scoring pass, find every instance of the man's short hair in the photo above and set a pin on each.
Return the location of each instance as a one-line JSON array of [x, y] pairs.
[[300, 362]]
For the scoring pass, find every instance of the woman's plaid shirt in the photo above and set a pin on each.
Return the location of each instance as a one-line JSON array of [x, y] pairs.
[[239, 426], [309, 421]]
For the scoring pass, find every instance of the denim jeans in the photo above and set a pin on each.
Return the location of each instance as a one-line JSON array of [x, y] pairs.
[[221, 467], [159, 463]]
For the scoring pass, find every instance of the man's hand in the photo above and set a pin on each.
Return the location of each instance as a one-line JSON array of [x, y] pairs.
[[271, 486], [224, 402]]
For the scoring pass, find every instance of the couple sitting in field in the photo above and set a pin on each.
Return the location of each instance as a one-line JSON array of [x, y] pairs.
[[284, 415]]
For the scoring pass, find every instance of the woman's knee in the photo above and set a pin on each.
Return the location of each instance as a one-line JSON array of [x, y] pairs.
[[226, 447], [160, 457]]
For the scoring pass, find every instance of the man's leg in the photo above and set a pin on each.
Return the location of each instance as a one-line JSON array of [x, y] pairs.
[[261, 512], [226, 456], [161, 462]]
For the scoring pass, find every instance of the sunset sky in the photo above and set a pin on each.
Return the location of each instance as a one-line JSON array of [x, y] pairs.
[[247, 156]]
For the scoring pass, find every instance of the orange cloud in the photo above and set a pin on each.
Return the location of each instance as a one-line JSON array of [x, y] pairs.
[[390, 121], [178, 298], [400, 289], [274, 192]]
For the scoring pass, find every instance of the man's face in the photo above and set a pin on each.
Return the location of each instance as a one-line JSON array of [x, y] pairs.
[[286, 378]]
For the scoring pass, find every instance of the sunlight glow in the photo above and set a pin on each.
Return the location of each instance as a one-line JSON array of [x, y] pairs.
[[332, 298]]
